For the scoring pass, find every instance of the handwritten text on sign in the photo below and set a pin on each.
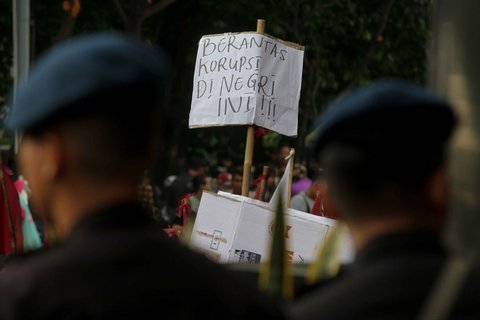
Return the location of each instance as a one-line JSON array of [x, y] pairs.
[[247, 78]]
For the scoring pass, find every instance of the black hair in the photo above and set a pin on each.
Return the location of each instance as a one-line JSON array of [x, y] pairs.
[[198, 182], [196, 162], [237, 170], [359, 174]]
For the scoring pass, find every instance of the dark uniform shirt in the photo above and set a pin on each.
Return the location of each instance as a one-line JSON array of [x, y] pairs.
[[118, 264], [390, 279]]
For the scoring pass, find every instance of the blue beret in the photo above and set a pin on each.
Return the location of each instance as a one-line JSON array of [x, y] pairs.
[[391, 114], [85, 67]]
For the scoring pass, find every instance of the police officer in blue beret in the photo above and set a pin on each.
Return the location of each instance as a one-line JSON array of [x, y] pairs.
[[383, 148], [90, 115]]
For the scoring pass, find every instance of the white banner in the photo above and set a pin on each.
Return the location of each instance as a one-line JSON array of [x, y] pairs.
[[247, 78]]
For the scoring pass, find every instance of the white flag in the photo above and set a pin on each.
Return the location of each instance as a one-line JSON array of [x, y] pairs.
[[282, 187]]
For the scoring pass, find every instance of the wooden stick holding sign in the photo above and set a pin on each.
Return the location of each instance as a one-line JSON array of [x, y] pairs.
[[263, 184], [290, 177], [247, 163]]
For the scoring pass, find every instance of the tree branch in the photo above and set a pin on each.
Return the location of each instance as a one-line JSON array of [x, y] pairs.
[[327, 4], [159, 6], [66, 29], [68, 22], [120, 11], [373, 47]]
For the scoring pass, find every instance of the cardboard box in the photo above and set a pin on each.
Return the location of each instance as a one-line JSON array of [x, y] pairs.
[[231, 228]]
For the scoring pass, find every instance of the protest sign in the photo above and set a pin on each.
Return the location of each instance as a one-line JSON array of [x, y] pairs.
[[244, 79], [242, 229]]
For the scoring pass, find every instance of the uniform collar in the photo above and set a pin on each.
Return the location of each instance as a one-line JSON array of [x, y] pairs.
[[414, 242], [114, 216]]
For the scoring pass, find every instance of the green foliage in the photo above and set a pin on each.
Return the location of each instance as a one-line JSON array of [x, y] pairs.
[[352, 42], [347, 42]]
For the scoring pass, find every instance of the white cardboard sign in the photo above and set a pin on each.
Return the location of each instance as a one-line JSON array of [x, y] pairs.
[[214, 228], [232, 229], [247, 78]]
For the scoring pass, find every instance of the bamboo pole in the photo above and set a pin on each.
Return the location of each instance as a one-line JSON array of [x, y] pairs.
[[247, 163], [261, 26], [263, 183]]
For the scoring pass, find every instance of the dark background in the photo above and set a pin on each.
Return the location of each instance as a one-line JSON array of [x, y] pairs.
[[347, 42]]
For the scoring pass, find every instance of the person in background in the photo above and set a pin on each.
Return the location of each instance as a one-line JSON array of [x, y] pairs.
[[149, 198], [182, 184], [224, 182], [208, 183], [272, 182], [280, 161], [383, 148], [305, 201], [188, 207], [225, 163], [91, 120], [11, 235], [237, 180], [301, 182], [31, 237], [283, 152]]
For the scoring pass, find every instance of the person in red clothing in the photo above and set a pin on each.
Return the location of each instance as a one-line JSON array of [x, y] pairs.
[[311, 200], [10, 215], [187, 209]]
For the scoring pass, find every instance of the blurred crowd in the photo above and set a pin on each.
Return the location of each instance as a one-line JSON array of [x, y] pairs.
[[176, 199]]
